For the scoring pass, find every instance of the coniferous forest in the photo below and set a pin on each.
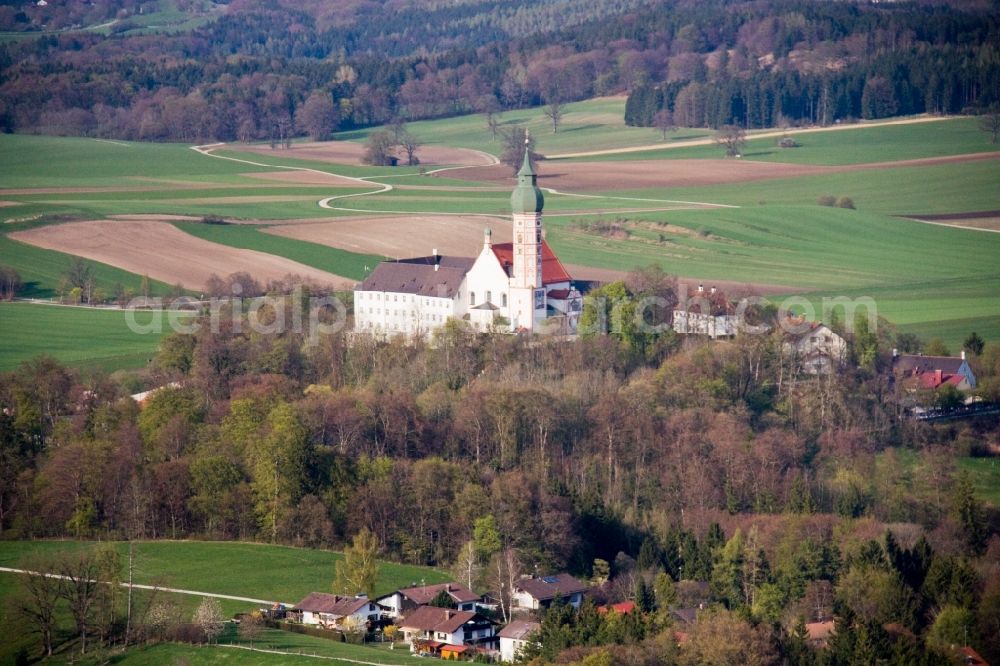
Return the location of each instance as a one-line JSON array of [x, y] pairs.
[[258, 64]]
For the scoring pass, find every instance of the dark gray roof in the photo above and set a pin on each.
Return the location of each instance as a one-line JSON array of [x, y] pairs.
[[321, 602], [519, 629], [544, 588], [909, 363], [417, 276]]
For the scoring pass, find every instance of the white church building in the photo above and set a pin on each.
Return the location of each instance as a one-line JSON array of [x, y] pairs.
[[511, 287]]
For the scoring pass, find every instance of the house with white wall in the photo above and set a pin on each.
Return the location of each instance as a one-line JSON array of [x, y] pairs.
[[515, 637], [514, 287], [331, 611]]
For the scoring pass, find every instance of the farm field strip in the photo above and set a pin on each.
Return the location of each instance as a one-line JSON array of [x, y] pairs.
[[166, 253], [87, 337]]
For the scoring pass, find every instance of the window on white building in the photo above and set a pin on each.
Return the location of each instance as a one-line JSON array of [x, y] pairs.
[[472, 298], [489, 296], [503, 300]]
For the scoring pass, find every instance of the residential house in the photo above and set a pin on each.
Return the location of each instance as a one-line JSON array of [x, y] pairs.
[[331, 611], [407, 600], [622, 608], [818, 634], [816, 348], [515, 637], [535, 592], [708, 314], [517, 287], [916, 371], [430, 629]]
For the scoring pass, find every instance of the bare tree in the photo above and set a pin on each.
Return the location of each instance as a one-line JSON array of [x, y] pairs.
[[515, 138], [409, 144], [379, 151], [664, 121], [37, 604], [10, 282], [251, 627], [732, 137], [554, 110], [79, 589]]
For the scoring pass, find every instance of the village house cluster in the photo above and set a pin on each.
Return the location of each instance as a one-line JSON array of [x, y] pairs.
[[445, 620]]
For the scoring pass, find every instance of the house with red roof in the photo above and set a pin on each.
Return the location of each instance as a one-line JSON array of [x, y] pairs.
[[514, 287], [404, 601], [333, 611], [429, 629], [917, 372]]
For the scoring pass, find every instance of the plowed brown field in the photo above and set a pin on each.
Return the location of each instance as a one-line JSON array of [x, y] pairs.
[[164, 252]]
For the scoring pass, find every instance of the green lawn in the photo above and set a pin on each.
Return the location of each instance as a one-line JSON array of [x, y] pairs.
[[80, 337], [946, 188], [595, 124], [259, 571], [858, 145], [986, 475], [271, 639], [243, 569], [336, 261]]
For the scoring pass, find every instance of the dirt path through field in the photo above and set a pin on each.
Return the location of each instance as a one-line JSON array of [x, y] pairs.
[[166, 253], [980, 221]]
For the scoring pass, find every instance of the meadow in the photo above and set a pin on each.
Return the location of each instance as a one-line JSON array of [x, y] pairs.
[[597, 124], [259, 571], [83, 337], [243, 569], [863, 144]]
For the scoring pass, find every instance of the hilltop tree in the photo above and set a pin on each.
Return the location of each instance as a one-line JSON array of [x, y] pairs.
[[515, 139], [554, 110], [974, 344], [358, 570], [409, 144], [732, 137]]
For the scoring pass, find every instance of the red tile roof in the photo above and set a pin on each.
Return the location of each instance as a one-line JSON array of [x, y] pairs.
[[623, 607], [552, 269], [321, 602], [431, 618], [425, 594]]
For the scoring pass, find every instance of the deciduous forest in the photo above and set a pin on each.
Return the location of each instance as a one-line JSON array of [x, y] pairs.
[[670, 472], [250, 71]]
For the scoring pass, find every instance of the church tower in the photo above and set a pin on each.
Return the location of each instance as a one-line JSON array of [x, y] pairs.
[[526, 203], [526, 284]]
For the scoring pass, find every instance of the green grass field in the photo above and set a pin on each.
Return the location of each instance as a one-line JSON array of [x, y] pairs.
[[597, 124], [985, 475], [81, 337], [850, 145], [259, 571], [243, 569]]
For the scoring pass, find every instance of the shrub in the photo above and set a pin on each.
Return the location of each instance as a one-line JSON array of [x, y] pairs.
[[213, 219], [845, 202], [827, 200], [788, 142]]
